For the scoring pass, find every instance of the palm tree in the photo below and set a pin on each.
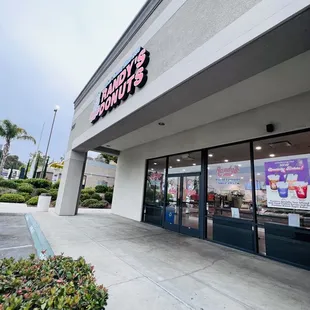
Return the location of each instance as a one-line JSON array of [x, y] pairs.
[[9, 132]]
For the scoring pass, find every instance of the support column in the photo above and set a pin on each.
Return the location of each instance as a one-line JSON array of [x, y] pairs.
[[70, 184]]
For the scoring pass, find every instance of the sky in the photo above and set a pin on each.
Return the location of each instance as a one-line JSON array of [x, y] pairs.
[[48, 52]]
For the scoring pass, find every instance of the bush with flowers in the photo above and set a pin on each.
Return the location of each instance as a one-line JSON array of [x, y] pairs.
[[59, 282]]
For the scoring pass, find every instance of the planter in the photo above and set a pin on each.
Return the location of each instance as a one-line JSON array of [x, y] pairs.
[[44, 202]]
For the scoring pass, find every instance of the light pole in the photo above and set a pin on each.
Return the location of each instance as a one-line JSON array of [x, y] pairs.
[[57, 107]]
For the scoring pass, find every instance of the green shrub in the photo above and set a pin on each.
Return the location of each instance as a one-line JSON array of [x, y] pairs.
[[25, 187], [39, 183], [19, 181], [39, 191], [88, 202], [5, 190], [84, 196], [108, 196], [53, 193], [96, 196], [56, 185], [58, 282], [8, 184], [101, 188], [27, 196], [99, 205], [110, 189], [88, 190], [12, 198], [33, 201]]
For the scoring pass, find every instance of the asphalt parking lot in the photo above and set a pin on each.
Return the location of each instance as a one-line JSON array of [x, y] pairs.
[[15, 238]]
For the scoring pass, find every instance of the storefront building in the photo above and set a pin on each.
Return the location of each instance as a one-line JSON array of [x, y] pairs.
[[207, 105]]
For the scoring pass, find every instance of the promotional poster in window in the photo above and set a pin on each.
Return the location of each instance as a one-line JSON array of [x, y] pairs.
[[287, 184]]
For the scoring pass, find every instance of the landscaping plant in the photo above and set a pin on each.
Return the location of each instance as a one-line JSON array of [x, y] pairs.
[[95, 196], [99, 205], [53, 193], [56, 185], [27, 196], [39, 183], [39, 191], [101, 188], [25, 187], [32, 202], [17, 198], [88, 190], [84, 197], [108, 196], [58, 282], [86, 203], [8, 184]]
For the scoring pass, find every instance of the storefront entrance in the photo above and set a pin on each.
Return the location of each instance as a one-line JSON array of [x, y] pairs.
[[182, 208]]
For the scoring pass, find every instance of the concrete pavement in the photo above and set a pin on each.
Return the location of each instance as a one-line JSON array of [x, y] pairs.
[[146, 267]]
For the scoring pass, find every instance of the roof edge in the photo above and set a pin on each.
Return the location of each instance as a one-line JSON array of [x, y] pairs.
[[142, 16]]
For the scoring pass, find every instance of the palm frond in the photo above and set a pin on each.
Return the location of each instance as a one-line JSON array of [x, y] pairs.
[[26, 137]]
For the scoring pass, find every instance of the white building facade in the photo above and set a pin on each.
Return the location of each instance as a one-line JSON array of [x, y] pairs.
[[204, 102]]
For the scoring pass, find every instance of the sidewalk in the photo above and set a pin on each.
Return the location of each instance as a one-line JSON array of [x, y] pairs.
[[146, 267]]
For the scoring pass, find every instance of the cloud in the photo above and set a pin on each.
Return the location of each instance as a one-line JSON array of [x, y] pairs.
[[49, 51]]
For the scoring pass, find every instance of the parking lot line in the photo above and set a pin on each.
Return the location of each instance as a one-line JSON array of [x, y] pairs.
[[16, 247]]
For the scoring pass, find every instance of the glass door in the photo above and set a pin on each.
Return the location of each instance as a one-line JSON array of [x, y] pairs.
[[182, 208]]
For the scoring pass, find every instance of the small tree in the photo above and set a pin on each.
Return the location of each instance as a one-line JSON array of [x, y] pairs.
[[107, 158], [9, 132]]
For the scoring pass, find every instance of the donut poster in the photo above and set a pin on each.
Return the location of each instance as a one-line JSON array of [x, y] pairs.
[[287, 184]]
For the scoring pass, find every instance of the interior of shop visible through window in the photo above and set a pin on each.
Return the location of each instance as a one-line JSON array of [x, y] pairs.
[[155, 191], [229, 191], [282, 176]]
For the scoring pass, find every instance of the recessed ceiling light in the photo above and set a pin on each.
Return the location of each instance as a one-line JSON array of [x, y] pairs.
[[241, 178], [232, 175], [170, 167], [152, 169], [258, 173], [183, 169], [194, 164], [161, 124], [272, 155], [210, 155], [226, 160], [155, 164], [220, 178], [178, 159], [208, 168], [210, 176], [239, 165], [258, 148]]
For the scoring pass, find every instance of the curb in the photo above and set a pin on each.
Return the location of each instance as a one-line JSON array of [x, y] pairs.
[[40, 242]]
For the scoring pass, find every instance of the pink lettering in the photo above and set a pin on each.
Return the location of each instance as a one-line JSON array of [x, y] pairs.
[[122, 77], [114, 98], [104, 95], [122, 92], [110, 91], [130, 87], [107, 104], [143, 58], [115, 83], [140, 77], [130, 68]]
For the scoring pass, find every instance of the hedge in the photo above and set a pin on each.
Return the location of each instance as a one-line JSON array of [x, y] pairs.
[[84, 197], [19, 181], [108, 196], [88, 190], [99, 205], [53, 193], [8, 184], [12, 198], [39, 191], [40, 183], [58, 282], [25, 187], [101, 188], [56, 185], [27, 196], [95, 196], [33, 201], [88, 202]]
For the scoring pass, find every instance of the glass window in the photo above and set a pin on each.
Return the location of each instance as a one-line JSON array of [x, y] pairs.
[[282, 173], [154, 191], [185, 163], [229, 182]]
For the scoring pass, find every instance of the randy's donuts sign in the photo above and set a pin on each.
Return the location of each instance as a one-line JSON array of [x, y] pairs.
[[132, 74]]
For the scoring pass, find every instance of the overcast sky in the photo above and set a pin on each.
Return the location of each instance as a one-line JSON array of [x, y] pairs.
[[49, 49]]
